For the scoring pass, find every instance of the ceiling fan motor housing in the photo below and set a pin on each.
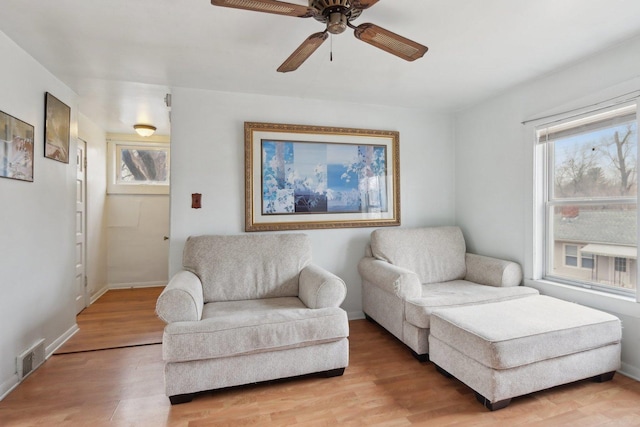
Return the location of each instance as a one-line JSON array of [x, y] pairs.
[[335, 13]]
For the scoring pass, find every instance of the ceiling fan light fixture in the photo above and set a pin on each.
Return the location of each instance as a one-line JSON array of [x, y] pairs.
[[144, 130], [337, 23]]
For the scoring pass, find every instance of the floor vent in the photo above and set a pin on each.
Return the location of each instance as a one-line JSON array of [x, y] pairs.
[[28, 361]]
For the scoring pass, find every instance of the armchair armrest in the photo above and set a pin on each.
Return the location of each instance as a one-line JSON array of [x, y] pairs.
[[182, 299], [320, 289], [492, 271], [403, 283]]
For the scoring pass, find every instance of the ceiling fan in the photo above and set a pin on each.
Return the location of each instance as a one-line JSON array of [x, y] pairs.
[[337, 15]]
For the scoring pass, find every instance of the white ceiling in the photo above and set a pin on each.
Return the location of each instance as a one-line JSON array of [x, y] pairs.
[[122, 56]]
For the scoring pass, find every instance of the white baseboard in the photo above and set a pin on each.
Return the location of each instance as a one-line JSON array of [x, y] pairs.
[[136, 285], [355, 315], [98, 294], [51, 348], [111, 286], [8, 386], [630, 371]]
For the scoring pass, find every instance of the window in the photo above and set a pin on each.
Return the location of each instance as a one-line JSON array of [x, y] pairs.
[[571, 255], [587, 261], [588, 199], [138, 168]]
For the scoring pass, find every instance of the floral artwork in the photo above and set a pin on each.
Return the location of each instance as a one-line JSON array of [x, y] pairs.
[[304, 177], [16, 148], [307, 177]]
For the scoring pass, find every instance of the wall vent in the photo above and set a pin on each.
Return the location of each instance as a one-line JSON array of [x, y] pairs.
[[31, 359]]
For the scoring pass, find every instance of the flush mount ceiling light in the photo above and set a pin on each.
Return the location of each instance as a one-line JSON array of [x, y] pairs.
[[144, 130]]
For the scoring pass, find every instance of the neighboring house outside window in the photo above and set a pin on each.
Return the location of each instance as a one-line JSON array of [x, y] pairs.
[[597, 246], [589, 168]]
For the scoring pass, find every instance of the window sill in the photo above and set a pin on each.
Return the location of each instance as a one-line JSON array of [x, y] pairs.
[[113, 189], [613, 303]]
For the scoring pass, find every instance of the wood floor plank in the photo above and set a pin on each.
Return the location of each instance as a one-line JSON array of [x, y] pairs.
[[120, 318], [383, 386]]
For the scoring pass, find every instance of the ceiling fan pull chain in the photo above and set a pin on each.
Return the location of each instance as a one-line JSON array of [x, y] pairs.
[[331, 48]]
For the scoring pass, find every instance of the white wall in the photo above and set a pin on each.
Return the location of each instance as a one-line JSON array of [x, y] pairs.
[[207, 156], [137, 254], [96, 268], [37, 229], [494, 167]]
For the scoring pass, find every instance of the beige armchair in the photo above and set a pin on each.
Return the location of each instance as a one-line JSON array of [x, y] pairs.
[[408, 273], [250, 308]]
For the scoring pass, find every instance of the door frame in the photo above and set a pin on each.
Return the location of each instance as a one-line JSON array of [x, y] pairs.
[[81, 298]]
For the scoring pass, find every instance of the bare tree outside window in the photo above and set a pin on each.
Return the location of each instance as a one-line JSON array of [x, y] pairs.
[[602, 164], [143, 165], [136, 167], [621, 151]]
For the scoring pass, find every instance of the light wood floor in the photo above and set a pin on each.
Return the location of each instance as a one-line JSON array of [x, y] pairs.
[[120, 318], [383, 385]]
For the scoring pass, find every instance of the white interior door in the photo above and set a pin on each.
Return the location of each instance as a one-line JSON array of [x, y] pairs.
[[81, 228]]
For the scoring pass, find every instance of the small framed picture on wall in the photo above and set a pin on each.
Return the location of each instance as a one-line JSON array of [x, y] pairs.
[[57, 129], [16, 148]]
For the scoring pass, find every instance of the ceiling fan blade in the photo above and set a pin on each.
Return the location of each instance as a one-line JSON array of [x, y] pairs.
[[363, 4], [303, 52], [268, 6], [390, 42]]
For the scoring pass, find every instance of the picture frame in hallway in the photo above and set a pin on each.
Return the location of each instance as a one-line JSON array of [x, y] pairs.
[[16, 148], [310, 177], [57, 129]]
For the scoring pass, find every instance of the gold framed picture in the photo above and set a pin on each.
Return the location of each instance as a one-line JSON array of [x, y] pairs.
[[306, 177]]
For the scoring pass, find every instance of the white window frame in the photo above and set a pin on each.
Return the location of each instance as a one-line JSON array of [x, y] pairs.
[[541, 255], [114, 147]]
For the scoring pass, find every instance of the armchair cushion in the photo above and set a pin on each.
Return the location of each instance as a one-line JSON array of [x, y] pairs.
[[456, 293], [254, 326], [181, 299], [243, 267], [319, 288], [435, 254]]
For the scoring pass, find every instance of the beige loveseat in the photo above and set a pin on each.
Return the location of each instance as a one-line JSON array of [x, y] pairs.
[[408, 273], [250, 308]]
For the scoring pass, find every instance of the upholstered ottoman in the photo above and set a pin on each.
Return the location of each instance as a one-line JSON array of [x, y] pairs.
[[511, 348]]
